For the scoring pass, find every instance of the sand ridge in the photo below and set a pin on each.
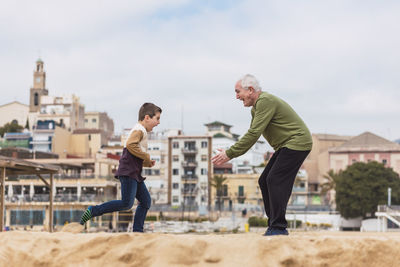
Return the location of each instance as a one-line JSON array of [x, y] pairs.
[[66, 248]]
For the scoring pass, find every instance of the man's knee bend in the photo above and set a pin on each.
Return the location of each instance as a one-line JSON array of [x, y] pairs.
[[262, 182]]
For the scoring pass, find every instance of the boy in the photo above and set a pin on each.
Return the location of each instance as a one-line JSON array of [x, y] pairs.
[[134, 157]]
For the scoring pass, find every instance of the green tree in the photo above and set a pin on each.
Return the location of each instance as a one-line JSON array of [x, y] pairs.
[[218, 183], [363, 186], [12, 127]]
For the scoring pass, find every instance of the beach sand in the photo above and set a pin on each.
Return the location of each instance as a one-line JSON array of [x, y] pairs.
[[23, 248]]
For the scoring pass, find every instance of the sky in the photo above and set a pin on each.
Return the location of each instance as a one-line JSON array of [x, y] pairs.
[[337, 63]]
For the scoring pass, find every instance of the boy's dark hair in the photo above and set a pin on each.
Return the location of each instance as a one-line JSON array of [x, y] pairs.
[[148, 109]]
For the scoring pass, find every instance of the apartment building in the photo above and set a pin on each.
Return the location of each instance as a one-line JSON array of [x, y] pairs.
[[189, 171]]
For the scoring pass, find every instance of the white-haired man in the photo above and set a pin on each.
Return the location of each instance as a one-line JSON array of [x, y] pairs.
[[286, 132]]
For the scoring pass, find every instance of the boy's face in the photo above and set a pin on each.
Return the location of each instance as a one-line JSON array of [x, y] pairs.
[[150, 123]]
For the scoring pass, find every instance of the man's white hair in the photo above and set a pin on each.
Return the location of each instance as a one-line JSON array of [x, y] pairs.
[[249, 80]]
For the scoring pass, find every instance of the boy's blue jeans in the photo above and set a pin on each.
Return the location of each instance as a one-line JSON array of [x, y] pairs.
[[130, 188]]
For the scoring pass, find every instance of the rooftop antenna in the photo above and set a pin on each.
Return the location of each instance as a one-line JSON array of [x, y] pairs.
[[182, 117]]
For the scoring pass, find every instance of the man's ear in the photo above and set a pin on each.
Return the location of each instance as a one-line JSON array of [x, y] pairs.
[[146, 117], [251, 89]]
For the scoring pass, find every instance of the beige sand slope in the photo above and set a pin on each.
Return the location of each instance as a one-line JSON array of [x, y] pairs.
[[132, 249]]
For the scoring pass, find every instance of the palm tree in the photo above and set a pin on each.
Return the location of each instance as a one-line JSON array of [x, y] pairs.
[[218, 182], [330, 183]]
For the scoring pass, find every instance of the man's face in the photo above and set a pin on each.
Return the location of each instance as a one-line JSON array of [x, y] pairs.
[[150, 123], [244, 95]]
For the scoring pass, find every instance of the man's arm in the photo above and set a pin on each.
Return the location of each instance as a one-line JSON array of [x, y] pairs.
[[132, 144], [264, 111]]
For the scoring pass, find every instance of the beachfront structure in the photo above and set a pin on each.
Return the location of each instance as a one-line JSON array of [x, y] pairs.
[[79, 183], [189, 171], [17, 167], [14, 111], [223, 138]]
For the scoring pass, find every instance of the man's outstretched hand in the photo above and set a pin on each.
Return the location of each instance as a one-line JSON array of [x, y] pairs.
[[220, 158]]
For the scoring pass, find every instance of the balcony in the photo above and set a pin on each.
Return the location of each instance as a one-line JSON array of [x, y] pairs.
[[189, 150], [189, 164], [190, 178], [189, 192]]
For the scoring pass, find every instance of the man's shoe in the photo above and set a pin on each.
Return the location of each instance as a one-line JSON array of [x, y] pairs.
[[268, 231], [276, 231]]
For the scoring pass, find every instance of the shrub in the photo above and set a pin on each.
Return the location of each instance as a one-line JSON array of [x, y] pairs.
[[257, 222], [298, 223], [151, 218]]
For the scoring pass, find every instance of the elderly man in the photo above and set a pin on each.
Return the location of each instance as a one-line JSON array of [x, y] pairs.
[[286, 132]]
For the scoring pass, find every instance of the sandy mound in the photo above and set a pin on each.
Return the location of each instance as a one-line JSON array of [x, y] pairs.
[[74, 228], [134, 249]]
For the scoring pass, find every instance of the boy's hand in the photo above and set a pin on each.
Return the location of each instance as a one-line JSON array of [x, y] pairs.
[[153, 162]]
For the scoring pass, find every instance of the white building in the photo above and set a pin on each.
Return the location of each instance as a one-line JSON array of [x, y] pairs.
[[190, 171], [65, 110], [223, 138], [14, 111]]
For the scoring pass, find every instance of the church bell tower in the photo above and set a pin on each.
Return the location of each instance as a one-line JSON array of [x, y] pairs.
[[39, 87]]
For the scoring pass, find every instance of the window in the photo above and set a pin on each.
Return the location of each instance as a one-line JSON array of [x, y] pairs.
[[147, 172], [175, 158], [241, 191], [203, 171], [204, 144], [36, 99], [94, 120], [86, 120], [203, 157], [225, 190], [190, 145], [175, 145], [175, 171], [175, 186], [156, 172], [384, 161], [175, 199]]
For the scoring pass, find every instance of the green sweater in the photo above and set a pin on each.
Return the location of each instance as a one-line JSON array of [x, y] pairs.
[[278, 123]]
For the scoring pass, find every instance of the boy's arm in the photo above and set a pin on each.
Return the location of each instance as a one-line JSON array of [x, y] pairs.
[[132, 144]]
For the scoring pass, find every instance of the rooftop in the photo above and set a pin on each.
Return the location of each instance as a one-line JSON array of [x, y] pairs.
[[367, 142]]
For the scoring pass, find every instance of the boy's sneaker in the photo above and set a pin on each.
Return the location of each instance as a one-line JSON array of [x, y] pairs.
[[86, 216], [276, 231]]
